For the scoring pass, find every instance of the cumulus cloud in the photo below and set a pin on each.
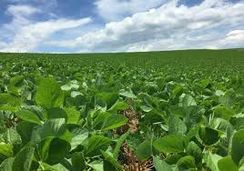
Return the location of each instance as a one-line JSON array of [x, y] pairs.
[[28, 34], [112, 10], [171, 26], [235, 35]]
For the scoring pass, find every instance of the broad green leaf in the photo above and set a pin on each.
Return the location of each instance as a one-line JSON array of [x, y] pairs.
[[78, 161], [29, 117], [146, 108], [23, 159], [94, 143], [204, 83], [106, 99], [237, 146], [6, 149], [176, 125], [212, 160], [9, 103], [71, 85], [49, 94], [177, 91], [187, 100], [7, 164], [194, 150], [227, 164], [114, 121], [12, 137], [144, 150], [96, 165], [186, 162], [73, 116], [238, 121], [208, 135], [78, 139], [161, 165], [54, 113], [25, 130], [53, 127], [170, 144], [223, 112], [100, 119], [54, 150], [128, 94], [118, 106]]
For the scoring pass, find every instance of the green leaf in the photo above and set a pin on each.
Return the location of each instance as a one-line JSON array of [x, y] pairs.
[[128, 94], [227, 164], [54, 113], [9, 103], [211, 161], [54, 150], [177, 91], [106, 99], [176, 125], [72, 85], [223, 112], [6, 149], [47, 167], [95, 142], [114, 121], [208, 135], [49, 94], [144, 150], [29, 117], [170, 144], [78, 139], [78, 161], [23, 159], [118, 106], [25, 130], [120, 141], [237, 146], [161, 165], [146, 108], [73, 116], [12, 136], [53, 127], [187, 100], [186, 162], [238, 121], [96, 165], [241, 164], [110, 163], [7, 164], [194, 150]]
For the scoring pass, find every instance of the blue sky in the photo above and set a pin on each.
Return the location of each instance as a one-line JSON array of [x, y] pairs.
[[119, 25]]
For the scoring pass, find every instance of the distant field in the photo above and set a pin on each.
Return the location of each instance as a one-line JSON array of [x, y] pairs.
[[173, 110]]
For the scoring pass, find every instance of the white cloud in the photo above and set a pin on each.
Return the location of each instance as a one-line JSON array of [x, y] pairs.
[[28, 34], [118, 9], [21, 10], [235, 35], [167, 27], [234, 38], [28, 37]]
